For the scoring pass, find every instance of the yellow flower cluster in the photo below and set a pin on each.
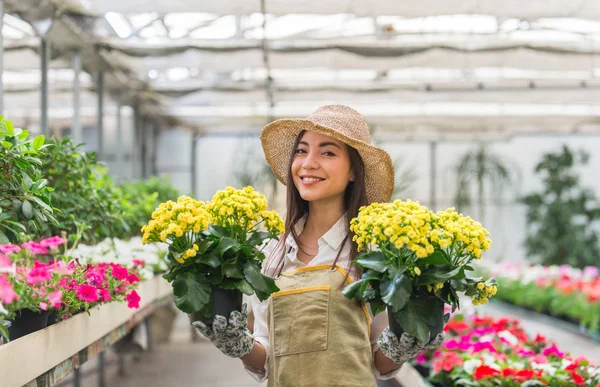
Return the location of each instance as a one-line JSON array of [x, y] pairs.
[[403, 223], [411, 225], [435, 287], [174, 219], [243, 208], [485, 293], [462, 232]]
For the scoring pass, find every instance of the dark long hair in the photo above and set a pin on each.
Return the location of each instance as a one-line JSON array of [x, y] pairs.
[[354, 198]]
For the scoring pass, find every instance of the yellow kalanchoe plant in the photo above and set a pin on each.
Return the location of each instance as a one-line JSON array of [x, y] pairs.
[[414, 261], [215, 244]]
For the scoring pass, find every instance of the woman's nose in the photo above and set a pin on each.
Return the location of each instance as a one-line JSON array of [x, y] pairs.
[[310, 161]]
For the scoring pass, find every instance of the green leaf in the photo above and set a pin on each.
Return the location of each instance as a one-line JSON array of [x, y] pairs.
[[10, 129], [6, 144], [5, 215], [219, 231], [38, 141], [352, 291], [396, 292], [374, 261], [436, 258], [204, 245], [41, 203], [27, 209], [437, 274], [412, 320], [256, 238], [232, 269], [241, 284], [260, 282], [377, 306], [192, 291], [3, 238]]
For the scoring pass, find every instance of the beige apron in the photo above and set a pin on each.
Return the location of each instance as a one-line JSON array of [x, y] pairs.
[[317, 336]]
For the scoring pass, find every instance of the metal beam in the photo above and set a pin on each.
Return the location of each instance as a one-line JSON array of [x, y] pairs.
[[76, 130], [100, 115], [44, 58]]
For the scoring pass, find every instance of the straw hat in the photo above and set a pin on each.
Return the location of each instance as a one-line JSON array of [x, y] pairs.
[[343, 124]]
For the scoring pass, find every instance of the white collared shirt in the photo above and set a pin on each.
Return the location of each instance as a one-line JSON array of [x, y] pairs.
[[328, 244]]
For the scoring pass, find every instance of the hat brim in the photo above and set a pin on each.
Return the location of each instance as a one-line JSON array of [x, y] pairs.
[[278, 139]]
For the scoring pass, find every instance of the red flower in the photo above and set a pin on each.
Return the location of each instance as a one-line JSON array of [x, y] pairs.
[[87, 293], [133, 278], [483, 372], [120, 272], [133, 300], [137, 262], [577, 379]]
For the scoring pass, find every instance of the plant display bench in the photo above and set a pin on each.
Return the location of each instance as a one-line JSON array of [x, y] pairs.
[[45, 357]]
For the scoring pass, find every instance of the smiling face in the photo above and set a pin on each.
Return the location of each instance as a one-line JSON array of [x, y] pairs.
[[321, 168]]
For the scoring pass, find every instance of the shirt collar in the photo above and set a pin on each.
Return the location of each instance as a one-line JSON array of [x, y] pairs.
[[333, 237]]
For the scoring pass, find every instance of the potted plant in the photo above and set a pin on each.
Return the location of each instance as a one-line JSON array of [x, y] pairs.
[[215, 249], [414, 261]]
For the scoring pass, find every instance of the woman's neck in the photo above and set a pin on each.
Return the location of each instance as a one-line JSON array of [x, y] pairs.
[[321, 217]]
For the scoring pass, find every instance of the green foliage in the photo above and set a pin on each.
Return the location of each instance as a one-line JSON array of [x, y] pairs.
[[84, 193], [223, 260], [24, 189], [563, 217], [140, 198], [575, 306]]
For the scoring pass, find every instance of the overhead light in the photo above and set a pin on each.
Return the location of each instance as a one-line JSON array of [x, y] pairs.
[[42, 26]]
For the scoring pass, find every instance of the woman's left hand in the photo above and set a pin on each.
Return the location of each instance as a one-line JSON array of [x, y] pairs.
[[407, 347]]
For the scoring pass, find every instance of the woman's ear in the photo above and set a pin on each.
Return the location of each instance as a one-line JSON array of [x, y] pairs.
[[352, 177]]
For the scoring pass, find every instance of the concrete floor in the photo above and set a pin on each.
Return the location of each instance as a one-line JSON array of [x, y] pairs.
[[183, 363]]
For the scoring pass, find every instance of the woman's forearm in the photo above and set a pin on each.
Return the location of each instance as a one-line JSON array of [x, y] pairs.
[[256, 358], [383, 364]]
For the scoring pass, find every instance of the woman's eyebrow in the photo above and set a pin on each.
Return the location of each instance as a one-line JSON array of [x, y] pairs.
[[321, 145]]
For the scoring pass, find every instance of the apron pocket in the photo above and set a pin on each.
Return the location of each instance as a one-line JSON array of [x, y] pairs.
[[300, 320]]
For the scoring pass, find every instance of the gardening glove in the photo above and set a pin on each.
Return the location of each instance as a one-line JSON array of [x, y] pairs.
[[231, 337], [405, 349]]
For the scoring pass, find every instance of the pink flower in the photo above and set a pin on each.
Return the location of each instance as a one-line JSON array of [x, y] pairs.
[[35, 248], [52, 242], [421, 358], [137, 262], [38, 274], [133, 300], [87, 293], [120, 273], [55, 298], [7, 293], [43, 306], [550, 351], [8, 249], [539, 359], [133, 278], [104, 294], [60, 267], [5, 263], [95, 277], [482, 346]]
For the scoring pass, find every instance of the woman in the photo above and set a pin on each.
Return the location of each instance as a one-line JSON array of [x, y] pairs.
[[308, 333]]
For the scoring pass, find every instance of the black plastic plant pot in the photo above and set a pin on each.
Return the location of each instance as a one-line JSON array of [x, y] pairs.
[[224, 301], [437, 309], [27, 321]]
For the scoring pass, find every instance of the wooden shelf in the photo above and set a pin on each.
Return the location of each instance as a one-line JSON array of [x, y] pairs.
[[45, 357]]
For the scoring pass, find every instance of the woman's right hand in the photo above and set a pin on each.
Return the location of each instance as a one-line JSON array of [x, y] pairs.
[[232, 337]]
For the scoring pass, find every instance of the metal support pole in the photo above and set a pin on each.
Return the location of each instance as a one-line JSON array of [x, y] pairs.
[[194, 166], [77, 377], [135, 142], [153, 155], [76, 130], [119, 149], [44, 56], [148, 324], [432, 170], [101, 373], [143, 146], [1, 57], [100, 113], [121, 368]]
